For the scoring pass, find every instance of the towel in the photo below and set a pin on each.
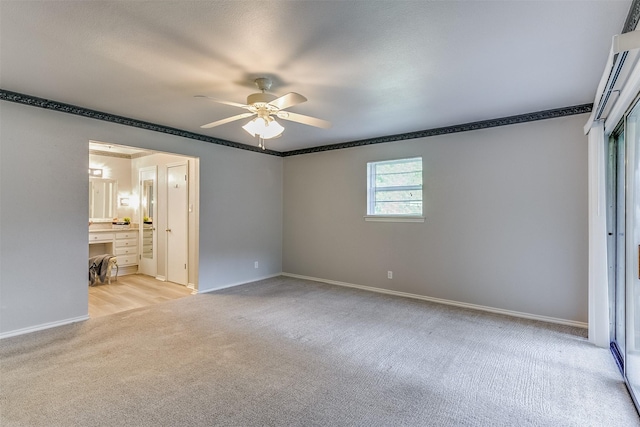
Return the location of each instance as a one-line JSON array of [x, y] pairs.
[[99, 266]]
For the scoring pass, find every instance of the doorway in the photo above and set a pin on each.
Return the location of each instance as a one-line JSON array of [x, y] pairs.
[[161, 222]]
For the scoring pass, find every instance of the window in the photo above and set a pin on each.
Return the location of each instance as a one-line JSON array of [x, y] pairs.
[[394, 189]]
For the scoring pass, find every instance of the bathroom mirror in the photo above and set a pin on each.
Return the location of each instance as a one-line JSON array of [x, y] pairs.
[[148, 215], [147, 200], [102, 199]]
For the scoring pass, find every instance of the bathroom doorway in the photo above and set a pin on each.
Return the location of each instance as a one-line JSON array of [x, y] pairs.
[[142, 227]]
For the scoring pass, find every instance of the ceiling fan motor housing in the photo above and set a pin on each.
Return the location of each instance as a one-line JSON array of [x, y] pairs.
[[260, 98]]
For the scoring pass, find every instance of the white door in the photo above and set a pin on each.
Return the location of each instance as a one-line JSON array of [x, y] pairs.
[[148, 219], [177, 223]]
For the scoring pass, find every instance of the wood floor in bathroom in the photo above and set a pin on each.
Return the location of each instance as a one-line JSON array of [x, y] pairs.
[[132, 291]]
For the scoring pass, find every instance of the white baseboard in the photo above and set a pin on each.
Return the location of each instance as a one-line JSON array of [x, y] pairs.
[[447, 302], [204, 291], [42, 327], [161, 278]]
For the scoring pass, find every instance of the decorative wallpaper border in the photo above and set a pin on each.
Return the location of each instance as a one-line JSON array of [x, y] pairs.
[[505, 121], [20, 98]]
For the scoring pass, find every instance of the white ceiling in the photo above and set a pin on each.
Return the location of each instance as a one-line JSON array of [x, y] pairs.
[[372, 68]]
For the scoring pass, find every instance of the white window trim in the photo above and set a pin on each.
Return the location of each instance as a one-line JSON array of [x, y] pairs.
[[371, 202], [394, 218]]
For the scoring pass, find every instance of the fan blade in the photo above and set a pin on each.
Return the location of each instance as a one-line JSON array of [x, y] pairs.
[[288, 100], [227, 120], [305, 120], [220, 101]]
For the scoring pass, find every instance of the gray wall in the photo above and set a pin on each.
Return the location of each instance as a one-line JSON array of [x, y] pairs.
[[506, 219], [43, 211], [505, 208]]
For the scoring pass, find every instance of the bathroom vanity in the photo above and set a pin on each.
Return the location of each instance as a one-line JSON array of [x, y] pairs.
[[121, 243]]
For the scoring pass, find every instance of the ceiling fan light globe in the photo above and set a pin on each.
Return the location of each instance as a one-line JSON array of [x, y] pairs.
[[273, 129], [251, 127], [256, 126], [264, 128]]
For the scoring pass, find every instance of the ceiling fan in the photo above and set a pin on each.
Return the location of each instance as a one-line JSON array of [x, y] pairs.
[[266, 107]]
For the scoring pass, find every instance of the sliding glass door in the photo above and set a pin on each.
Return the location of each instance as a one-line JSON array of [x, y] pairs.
[[623, 223], [632, 326], [616, 242]]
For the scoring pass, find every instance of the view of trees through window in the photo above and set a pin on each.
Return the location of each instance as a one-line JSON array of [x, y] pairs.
[[395, 187]]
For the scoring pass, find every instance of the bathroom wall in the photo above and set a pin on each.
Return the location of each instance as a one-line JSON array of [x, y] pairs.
[[117, 168]]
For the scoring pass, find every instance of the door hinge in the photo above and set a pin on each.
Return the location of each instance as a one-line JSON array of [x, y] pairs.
[[185, 177], [185, 266]]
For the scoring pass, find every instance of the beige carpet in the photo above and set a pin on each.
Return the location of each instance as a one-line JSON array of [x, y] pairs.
[[297, 353]]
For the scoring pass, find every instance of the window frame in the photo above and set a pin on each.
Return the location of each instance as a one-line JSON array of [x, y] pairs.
[[372, 189]]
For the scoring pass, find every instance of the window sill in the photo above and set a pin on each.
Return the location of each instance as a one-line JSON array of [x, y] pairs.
[[382, 218]]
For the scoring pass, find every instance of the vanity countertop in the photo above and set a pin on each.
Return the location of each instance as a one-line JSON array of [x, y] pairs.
[[110, 230]]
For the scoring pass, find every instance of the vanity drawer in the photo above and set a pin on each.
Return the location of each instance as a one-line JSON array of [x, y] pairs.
[[100, 237], [127, 260], [126, 242], [127, 235], [127, 250]]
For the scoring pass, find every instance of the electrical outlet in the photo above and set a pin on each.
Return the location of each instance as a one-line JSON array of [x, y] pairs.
[[255, 264], [389, 274]]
